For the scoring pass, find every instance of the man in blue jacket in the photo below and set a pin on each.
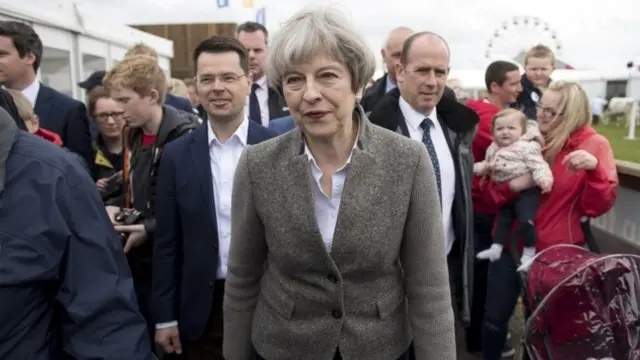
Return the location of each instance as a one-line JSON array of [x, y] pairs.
[[65, 287]]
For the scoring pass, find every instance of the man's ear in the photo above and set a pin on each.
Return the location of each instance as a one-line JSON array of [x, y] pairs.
[[400, 71], [155, 96]]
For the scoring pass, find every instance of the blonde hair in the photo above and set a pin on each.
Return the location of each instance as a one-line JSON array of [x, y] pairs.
[[139, 73], [540, 51], [25, 109], [508, 112], [141, 49], [575, 111], [178, 88]]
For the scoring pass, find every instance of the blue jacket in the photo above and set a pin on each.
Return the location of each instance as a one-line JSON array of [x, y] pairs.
[[282, 125], [528, 99], [185, 248], [65, 287]]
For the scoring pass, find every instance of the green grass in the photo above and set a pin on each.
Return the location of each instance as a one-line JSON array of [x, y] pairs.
[[623, 149]]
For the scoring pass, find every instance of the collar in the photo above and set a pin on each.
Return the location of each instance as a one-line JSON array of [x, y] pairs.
[[241, 133], [413, 117], [262, 82], [390, 84], [31, 92], [312, 159]]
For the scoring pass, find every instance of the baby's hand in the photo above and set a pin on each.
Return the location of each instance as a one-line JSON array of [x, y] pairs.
[[480, 168], [546, 185]]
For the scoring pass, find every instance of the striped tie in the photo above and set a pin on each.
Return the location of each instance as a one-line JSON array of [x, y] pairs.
[[426, 125]]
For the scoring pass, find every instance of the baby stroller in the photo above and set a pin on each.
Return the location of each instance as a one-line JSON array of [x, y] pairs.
[[583, 305]]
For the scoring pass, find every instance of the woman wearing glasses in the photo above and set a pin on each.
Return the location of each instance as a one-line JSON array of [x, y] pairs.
[[107, 164]]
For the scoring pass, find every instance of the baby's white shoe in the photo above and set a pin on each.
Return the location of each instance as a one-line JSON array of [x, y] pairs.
[[526, 260], [492, 254]]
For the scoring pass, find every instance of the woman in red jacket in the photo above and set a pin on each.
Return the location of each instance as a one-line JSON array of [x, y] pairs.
[[585, 184]]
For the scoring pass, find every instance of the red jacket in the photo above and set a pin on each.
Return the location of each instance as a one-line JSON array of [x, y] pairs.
[[486, 111], [49, 136], [575, 193]]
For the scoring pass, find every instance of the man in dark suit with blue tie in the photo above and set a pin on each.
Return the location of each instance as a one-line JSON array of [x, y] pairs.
[[21, 50], [193, 208], [265, 103]]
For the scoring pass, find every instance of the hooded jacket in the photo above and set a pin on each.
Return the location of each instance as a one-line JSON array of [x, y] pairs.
[[144, 165]]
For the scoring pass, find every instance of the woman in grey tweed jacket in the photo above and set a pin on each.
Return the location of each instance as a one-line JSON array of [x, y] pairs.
[[337, 247]]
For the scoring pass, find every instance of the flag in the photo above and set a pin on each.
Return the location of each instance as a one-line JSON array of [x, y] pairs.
[[261, 16], [247, 4], [223, 3]]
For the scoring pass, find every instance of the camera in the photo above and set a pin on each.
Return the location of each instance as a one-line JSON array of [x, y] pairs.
[[128, 217]]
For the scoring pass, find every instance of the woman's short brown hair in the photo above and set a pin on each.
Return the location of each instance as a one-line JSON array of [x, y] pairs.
[[94, 95]]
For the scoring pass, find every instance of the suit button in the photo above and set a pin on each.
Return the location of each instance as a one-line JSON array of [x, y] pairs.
[[210, 284], [332, 278], [336, 314]]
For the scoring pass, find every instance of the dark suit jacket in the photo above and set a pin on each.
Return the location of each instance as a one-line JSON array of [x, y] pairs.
[[185, 253], [66, 117], [282, 125], [459, 123], [291, 299], [377, 91], [277, 106], [178, 102]]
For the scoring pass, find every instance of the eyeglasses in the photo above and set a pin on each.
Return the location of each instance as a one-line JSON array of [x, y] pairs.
[[226, 79], [547, 111], [104, 117]]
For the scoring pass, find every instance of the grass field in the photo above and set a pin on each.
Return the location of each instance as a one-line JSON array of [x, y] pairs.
[[623, 149]]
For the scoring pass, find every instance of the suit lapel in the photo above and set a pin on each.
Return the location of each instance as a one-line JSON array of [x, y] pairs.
[[449, 135], [199, 149], [301, 193], [43, 106], [359, 194], [360, 190], [255, 135]]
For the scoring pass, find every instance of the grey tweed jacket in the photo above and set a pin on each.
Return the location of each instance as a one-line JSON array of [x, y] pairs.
[[383, 285]]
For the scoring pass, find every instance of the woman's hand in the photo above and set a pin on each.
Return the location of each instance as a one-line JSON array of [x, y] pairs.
[[581, 159]]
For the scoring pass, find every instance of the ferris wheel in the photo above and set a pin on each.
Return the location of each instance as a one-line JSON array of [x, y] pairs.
[[519, 34]]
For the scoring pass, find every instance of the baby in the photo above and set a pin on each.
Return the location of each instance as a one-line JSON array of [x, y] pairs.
[[515, 151]]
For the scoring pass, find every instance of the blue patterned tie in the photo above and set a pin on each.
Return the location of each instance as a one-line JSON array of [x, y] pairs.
[[426, 125], [254, 105]]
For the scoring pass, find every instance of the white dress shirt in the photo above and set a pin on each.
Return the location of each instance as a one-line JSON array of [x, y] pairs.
[[327, 207], [445, 161], [223, 160], [31, 92], [262, 93]]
